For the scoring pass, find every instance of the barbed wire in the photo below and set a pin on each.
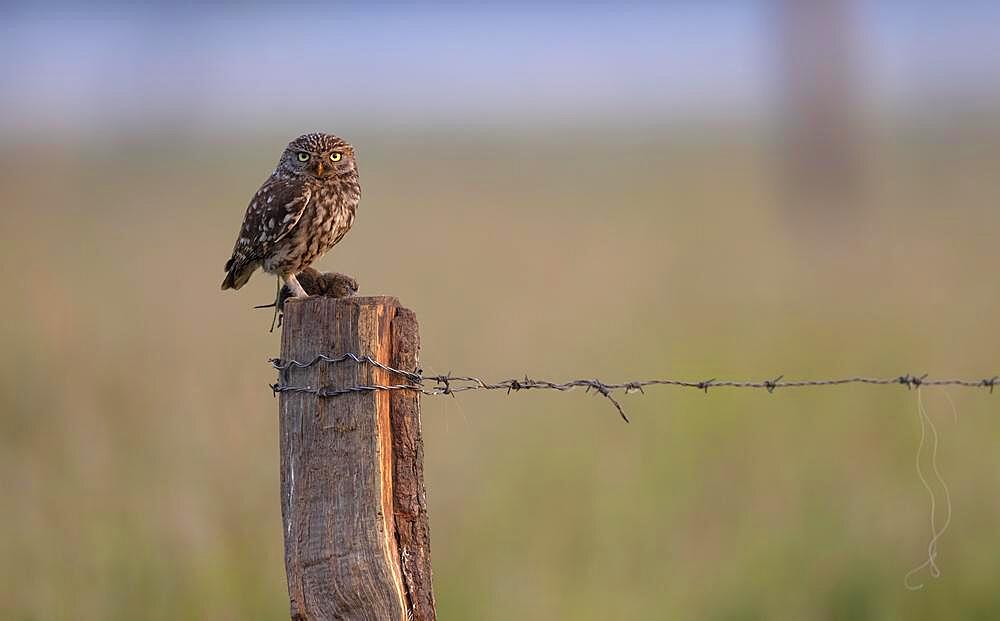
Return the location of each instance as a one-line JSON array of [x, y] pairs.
[[450, 384]]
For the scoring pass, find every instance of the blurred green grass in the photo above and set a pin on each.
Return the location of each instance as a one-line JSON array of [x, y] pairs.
[[137, 434]]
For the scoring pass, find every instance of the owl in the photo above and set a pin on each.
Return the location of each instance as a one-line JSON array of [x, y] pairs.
[[305, 207]]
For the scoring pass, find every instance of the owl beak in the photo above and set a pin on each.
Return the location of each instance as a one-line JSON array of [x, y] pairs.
[[319, 168]]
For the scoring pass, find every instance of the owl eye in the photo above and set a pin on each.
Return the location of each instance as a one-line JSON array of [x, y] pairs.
[[335, 157], [303, 156]]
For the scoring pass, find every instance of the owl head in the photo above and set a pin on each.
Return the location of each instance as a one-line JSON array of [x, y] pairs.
[[322, 156]]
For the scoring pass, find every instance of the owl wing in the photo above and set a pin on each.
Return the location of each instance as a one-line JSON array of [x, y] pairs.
[[272, 214]]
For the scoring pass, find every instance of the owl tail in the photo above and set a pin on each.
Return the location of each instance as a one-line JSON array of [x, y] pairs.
[[238, 273]]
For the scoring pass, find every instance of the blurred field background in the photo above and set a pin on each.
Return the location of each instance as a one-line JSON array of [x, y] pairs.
[[559, 191]]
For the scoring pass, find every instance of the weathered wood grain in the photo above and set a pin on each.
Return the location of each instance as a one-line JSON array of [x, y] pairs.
[[410, 506], [348, 555]]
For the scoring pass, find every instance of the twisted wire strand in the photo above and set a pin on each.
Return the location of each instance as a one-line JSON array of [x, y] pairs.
[[449, 384]]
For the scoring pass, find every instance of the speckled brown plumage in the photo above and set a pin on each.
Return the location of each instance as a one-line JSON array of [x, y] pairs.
[[305, 207]]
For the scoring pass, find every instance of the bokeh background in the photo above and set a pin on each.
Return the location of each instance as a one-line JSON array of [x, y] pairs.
[[690, 189]]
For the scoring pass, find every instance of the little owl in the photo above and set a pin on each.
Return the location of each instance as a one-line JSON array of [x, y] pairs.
[[302, 210]]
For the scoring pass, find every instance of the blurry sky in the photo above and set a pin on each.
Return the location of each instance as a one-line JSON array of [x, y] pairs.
[[76, 69]]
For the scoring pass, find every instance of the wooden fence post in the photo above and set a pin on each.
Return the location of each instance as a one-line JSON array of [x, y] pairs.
[[357, 543]]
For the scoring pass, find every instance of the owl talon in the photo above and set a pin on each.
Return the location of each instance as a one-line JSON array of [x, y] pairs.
[[293, 285], [313, 283]]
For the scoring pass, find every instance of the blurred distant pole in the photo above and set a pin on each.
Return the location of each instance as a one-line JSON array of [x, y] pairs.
[[357, 542], [821, 142]]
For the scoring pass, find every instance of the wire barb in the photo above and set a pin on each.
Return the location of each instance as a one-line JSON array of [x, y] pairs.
[[450, 384], [991, 382]]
